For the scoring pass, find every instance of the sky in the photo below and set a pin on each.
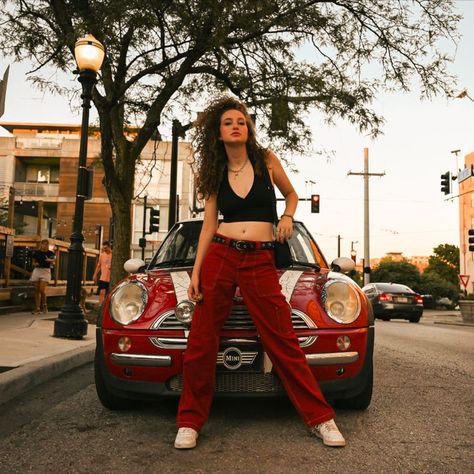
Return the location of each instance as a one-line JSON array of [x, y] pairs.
[[408, 212]]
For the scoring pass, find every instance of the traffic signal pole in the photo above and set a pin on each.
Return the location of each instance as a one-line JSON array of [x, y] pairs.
[[143, 242], [366, 176]]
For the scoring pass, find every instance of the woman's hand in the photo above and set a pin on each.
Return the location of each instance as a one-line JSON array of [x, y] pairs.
[[284, 229], [193, 290]]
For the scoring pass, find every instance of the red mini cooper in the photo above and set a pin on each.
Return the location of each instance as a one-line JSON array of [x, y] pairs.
[[144, 325]]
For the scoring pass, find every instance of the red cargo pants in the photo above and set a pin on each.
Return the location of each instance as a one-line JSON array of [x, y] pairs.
[[223, 269]]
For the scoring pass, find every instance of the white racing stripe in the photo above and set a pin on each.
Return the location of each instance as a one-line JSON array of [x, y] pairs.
[[181, 281], [288, 282]]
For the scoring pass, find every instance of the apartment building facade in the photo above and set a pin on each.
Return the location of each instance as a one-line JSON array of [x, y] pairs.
[[466, 221], [41, 161]]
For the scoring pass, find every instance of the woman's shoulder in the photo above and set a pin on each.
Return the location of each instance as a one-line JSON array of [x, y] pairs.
[[271, 160]]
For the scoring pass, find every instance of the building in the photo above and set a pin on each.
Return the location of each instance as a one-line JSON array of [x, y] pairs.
[[41, 161], [466, 220], [420, 262]]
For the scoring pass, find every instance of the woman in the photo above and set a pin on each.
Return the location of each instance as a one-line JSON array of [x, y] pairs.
[[42, 258], [233, 176]]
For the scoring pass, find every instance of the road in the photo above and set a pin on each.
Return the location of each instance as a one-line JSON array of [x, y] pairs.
[[420, 420]]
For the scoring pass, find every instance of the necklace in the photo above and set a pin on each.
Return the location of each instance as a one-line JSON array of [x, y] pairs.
[[236, 172]]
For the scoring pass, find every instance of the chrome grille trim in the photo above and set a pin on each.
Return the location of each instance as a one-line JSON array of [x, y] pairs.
[[239, 319], [169, 342], [237, 382]]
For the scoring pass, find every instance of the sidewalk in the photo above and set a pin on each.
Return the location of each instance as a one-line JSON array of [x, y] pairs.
[[30, 355], [451, 317]]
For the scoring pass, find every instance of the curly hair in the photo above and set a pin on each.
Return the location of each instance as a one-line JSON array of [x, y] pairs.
[[210, 158]]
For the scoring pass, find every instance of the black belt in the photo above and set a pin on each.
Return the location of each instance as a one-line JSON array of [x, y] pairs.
[[244, 245]]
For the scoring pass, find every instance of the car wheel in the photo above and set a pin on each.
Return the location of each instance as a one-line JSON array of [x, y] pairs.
[[360, 401], [106, 397], [414, 320]]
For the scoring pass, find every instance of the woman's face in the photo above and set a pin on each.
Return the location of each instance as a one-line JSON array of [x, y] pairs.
[[233, 128]]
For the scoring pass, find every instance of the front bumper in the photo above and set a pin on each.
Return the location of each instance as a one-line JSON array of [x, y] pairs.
[[240, 384]]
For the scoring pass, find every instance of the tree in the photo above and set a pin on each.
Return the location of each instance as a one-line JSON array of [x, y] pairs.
[[432, 284], [163, 55], [397, 272], [445, 263]]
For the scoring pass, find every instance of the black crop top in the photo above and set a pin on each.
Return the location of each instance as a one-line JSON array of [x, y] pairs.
[[256, 206]]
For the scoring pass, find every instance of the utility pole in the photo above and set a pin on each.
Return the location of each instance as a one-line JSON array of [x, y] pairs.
[[178, 131], [366, 176]]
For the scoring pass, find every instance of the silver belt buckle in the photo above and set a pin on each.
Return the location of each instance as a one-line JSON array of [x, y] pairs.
[[239, 245]]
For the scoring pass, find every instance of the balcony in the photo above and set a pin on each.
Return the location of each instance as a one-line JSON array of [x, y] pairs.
[[37, 189], [39, 143]]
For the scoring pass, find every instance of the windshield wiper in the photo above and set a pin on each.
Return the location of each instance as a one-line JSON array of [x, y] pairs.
[[307, 264], [175, 262]]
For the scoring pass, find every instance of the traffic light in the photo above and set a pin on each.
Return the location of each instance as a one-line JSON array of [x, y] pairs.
[[315, 203], [154, 220], [471, 239], [353, 255], [445, 184]]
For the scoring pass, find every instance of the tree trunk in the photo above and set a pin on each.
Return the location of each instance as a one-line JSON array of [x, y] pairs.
[[119, 180]]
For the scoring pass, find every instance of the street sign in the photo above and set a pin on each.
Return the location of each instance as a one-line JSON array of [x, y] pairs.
[[464, 280], [465, 173]]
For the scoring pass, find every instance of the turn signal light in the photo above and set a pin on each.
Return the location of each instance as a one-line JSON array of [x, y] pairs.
[[124, 343], [343, 342]]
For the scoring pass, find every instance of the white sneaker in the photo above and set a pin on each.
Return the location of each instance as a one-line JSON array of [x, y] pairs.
[[329, 433], [186, 438]]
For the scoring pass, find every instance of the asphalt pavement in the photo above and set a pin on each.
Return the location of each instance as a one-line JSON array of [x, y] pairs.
[[31, 355]]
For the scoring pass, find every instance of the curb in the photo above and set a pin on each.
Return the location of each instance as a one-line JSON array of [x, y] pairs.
[[20, 380], [454, 323]]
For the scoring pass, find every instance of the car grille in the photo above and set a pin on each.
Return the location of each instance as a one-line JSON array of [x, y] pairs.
[[239, 319], [239, 382]]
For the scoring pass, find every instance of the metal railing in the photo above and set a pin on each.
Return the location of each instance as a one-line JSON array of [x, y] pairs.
[[37, 189]]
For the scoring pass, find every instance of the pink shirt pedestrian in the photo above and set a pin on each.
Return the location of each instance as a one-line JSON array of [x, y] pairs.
[[105, 262]]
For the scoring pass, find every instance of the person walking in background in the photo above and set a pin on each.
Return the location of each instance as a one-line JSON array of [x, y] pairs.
[[43, 259], [235, 176], [103, 267]]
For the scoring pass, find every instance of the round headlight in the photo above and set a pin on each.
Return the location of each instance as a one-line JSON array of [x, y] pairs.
[[128, 302], [184, 311], [341, 301]]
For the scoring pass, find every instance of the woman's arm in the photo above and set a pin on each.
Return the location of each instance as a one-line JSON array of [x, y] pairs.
[[281, 181], [209, 227]]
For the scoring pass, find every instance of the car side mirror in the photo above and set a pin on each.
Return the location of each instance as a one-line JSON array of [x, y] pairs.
[[342, 265], [134, 265]]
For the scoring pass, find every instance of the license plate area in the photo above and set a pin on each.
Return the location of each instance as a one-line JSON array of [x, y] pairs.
[[402, 299], [240, 358]]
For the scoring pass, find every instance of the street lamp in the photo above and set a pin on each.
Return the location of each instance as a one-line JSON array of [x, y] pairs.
[[89, 54]]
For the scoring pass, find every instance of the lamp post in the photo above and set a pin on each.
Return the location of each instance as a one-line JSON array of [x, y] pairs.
[[89, 54]]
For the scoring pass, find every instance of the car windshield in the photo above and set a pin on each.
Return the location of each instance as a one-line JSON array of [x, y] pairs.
[[180, 246], [393, 288]]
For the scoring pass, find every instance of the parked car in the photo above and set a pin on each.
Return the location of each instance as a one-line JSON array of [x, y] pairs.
[[393, 300], [144, 324]]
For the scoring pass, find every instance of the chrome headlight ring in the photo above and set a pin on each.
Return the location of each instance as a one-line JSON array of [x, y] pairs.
[[128, 302], [341, 301], [184, 311]]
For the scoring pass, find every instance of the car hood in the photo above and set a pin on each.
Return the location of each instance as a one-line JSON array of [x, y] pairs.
[[302, 288]]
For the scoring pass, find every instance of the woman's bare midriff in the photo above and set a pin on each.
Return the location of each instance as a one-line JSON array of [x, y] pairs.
[[248, 230]]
